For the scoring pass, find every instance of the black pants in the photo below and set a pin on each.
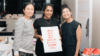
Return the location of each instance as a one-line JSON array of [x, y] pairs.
[[69, 50], [24, 54], [52, 54]]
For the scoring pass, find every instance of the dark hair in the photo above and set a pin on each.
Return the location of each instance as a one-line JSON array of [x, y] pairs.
[[45, 6], [24, 6], [65, 6]]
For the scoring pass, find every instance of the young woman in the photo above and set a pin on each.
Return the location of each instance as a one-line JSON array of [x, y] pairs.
[[71, 33], [24, 33], [45, 21]]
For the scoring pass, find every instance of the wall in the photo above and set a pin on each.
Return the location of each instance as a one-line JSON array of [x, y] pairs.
[[84, 18], [96, 24]]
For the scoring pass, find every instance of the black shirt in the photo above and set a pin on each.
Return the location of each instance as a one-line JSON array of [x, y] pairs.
[[69, 33], [42, 23]]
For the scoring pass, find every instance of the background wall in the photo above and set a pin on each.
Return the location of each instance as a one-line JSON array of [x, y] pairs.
[[84, 19], [96, 24]]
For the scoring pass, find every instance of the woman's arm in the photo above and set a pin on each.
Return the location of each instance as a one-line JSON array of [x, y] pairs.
[[19, 25], [37, 36], [78, 37]]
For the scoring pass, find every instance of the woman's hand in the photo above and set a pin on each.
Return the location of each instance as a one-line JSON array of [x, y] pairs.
[[41, 39], [60, 38]]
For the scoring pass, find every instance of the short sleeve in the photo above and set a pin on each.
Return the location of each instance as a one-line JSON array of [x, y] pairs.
[[35, 24], [80, 25], [77, 24]]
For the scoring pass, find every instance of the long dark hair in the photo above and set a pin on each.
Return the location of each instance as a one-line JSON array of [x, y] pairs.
[[45, 6]]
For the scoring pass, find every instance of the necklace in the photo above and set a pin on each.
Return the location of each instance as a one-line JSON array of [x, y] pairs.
[[48, 22]]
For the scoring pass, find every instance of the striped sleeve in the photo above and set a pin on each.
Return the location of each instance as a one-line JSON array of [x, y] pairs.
[[18, 33]]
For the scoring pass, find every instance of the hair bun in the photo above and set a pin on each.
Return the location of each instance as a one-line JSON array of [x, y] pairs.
[[64, 5]]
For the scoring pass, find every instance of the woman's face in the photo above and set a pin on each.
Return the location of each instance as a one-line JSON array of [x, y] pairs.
[[29, 10], [66, 13], [48, 12]]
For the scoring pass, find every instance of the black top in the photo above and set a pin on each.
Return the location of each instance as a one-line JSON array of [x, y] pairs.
[[69, 33], [42, 23]]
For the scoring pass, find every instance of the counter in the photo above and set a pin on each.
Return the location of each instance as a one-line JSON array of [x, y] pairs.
[[6, 34]]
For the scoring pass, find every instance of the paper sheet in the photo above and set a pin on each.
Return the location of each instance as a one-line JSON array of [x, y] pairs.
[[51, 39]]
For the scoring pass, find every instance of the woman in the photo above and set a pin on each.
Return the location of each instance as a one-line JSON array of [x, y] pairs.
[[45, 21], [71, 33], [24, 32]]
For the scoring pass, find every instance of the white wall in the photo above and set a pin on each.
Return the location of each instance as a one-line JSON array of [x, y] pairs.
[[96, 24], [84, 13]]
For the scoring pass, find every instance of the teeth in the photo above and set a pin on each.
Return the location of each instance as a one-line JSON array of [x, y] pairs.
[[66, 15]]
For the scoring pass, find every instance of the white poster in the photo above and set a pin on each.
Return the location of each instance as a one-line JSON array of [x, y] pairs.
[[83, 18], [51, 39]]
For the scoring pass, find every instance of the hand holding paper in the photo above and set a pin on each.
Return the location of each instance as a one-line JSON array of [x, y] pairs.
[[41, 39], [51, 39]]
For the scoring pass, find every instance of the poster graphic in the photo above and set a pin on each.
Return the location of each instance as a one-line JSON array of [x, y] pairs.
[[51, 39]]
